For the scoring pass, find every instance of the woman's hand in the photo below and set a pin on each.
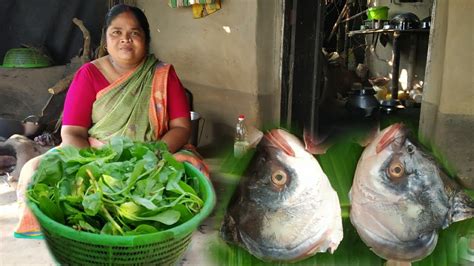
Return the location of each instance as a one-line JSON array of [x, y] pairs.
[[75, 136], [178, 134], [190, 155]]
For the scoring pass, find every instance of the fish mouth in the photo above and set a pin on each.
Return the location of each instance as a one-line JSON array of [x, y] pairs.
[[294, 254], [277, 138], [408, 251], [395, 131]]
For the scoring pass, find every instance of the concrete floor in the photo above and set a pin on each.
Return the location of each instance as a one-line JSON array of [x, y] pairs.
[[14, 251]]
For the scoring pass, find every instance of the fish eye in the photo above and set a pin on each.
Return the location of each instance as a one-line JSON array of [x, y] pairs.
[[396, 171], [410, 149], [279, 178]]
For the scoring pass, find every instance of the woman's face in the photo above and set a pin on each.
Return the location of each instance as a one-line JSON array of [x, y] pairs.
[[126, 40]]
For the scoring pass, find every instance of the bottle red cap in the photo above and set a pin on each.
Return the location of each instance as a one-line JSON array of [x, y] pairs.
[[241, 116]]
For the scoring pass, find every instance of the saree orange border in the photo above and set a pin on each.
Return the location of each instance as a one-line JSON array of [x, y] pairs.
[[115, 83], [159, 120]]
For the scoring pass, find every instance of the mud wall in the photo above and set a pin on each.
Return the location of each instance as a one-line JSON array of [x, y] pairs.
[[229, 60]]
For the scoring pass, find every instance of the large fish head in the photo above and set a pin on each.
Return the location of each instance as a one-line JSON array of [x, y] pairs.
[[285, 209], [399, 198]]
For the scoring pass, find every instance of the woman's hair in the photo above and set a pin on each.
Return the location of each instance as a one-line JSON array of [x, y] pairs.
[[139, 15]]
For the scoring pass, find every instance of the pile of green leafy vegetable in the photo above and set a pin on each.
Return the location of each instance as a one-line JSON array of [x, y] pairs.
[[122, 188]]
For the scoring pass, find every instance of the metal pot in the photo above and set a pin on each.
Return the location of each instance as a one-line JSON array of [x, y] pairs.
[[195, 132], [362, 102], [29, 126], [426, 23], [32, 125], [406, 21]]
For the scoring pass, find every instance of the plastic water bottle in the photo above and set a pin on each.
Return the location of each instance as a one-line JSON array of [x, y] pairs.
[[241, 143]]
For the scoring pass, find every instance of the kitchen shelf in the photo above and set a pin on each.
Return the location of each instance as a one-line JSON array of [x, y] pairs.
[[395, 33], [388, 31]]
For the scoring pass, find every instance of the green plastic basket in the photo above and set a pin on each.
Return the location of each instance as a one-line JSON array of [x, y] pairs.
[[72, 247], [25, 58]]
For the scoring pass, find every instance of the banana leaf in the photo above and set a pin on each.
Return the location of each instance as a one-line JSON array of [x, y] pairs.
[[339, 164]]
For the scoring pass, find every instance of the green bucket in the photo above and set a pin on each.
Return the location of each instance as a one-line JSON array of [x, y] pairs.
[[377, 13], [71, 247]]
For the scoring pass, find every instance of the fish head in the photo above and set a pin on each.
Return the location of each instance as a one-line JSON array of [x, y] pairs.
[[286, 209], [404, 171], [398, 197]]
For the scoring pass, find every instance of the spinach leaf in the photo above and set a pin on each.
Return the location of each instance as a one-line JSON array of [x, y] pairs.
[[83, 225], [150, 160], [142, 229], [144, 202], [52, 210], [92, 203], [50, 170], [135, 212]]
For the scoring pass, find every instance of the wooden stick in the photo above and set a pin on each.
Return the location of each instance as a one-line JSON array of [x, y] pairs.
[[339, 18], [64, 83], [355, 16], [61, 85], [87, 40]]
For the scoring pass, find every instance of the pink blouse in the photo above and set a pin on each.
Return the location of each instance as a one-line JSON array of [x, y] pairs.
[[88, 81]]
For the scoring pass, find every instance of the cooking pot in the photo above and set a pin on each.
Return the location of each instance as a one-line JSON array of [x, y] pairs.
[[426, 23], [362, 102], [405, 21], [29, 126]]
